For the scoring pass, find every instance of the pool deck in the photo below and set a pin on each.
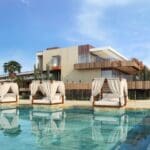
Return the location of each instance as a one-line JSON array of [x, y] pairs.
[[131, 104]]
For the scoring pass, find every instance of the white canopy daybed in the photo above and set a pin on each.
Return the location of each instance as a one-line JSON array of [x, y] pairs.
[[116, 96], [53, 92], [9, 92]]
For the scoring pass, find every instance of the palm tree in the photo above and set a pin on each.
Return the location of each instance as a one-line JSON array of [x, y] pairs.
[[11, 68]]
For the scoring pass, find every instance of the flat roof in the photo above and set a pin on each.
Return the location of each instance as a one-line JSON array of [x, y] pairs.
[[108, 52], [19, 74]]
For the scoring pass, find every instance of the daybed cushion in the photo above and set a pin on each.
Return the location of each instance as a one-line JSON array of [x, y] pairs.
[[109, 99], [107, 103], [10, 97], [57, 98], [42, 101]]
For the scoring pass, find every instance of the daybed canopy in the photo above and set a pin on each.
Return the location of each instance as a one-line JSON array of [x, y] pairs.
[[9, 92], [53, 92], [117, 96]]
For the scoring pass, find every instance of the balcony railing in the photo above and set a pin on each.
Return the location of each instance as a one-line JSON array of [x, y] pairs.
[[132, 85], [145, 85], [130, 67]]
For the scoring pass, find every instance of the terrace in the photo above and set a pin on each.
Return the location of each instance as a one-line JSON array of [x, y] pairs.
[[107, 58], [127, 66]]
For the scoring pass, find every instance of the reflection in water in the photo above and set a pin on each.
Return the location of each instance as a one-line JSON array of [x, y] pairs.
[[109, 128], [9, 122], [48, 127], [138, 137], [75, 129]]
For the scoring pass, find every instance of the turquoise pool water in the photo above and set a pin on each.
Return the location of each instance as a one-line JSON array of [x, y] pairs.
[[74, 129]]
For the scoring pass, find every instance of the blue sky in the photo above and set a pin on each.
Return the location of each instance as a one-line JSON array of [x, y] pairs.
[[28, 26]]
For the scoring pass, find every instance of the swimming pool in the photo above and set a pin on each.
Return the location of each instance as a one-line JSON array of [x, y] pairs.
[[73, 129]]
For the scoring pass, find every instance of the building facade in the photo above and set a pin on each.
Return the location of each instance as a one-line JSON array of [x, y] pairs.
[[84, 63]]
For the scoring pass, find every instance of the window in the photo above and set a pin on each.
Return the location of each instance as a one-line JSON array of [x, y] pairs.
[[83, 58], [55, 61], [106, 73]]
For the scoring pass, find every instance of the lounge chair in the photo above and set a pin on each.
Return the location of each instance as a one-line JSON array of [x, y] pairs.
[[116, 93], [9, 92], [53, 92]]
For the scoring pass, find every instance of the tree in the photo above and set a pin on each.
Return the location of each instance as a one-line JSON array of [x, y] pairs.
[[12, 67], [47, 72], [35, 73]]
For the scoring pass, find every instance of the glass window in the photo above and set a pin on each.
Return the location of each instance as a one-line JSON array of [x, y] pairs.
[[106, 73], [55, 61], [84, 58]]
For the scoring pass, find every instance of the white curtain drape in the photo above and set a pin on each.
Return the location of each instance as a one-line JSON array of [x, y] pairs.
[[50, 89], [14, 88], [96, 87], [46, 87], [34, 87], [117, 89], [4, 89], [54, 87], [125, 86], [0, 86], [40, 88], [61, 87], [115, 86]]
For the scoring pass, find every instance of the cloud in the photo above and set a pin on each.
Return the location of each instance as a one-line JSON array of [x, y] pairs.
[[25, 2], [90, 24], [142, 51], [89, 20]]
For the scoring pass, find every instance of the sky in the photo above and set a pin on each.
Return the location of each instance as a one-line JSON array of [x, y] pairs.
[[29, 26]]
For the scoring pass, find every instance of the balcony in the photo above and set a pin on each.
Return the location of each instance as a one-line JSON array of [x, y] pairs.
[[129, 67]]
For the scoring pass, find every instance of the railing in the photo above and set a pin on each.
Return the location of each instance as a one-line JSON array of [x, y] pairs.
[[125, 66], [82, 91], [141, 85], [132, 85]]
